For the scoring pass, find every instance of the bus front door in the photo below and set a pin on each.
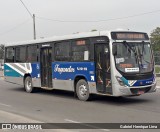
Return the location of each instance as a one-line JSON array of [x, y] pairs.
[[103, 76], [46, 67]]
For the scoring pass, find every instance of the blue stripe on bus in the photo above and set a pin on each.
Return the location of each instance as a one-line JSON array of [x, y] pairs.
[[144, 82], [68, 71], [132, 83], [35, 70]]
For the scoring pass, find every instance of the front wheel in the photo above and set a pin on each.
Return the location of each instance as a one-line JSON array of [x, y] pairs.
[[28, 85], [82, 90]]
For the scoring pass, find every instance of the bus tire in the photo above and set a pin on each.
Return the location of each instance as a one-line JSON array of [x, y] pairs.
[[82, 90], [28, 85]]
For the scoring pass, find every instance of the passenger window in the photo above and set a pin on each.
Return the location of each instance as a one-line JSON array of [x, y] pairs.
[[62, 51], [79, 50], [9, 54], [21, 54], [32, 53]]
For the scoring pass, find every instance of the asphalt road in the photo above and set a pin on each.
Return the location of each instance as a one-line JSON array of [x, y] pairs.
[[62, 107]]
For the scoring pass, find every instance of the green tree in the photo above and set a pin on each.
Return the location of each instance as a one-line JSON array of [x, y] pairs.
[[93, 30], [155, 39], [1, 51]]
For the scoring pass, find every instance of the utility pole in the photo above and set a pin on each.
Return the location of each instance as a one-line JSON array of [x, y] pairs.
[[34, 27]]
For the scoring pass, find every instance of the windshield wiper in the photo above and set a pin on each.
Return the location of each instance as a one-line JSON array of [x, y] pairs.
[[142, 55], [134, 51]]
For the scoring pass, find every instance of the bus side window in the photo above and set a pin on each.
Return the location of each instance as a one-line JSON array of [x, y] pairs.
[[20, 54], [32, 53], [10, 54], [80, 50], [62, 51]]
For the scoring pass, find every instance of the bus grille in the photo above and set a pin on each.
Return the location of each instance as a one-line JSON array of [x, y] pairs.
[[139, 90], [138, 77]]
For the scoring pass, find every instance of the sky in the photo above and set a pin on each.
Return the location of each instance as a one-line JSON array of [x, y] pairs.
[[74, 16]]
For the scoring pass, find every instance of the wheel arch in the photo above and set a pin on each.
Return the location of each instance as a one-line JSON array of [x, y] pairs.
[[26, 75]]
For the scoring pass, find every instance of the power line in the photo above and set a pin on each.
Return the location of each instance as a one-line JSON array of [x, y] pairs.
[[17, 26], [14, 28], [26, 8], [56, 20], [112, 19], [33, 17]]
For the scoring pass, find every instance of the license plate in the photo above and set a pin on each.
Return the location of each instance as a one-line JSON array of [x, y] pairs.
[[140, 92]]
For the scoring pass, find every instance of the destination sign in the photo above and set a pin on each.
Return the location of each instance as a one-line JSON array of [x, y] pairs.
[[129, 36], [81, 42]]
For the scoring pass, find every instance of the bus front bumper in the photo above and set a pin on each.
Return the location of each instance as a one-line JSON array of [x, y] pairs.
[[131, 91]]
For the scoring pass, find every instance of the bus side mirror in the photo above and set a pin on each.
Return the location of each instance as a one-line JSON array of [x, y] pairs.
[[114, 49]]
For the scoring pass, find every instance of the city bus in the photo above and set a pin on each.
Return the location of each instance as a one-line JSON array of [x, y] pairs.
[[111, 63]]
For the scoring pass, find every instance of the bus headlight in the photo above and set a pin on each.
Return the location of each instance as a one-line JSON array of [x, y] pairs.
[[120, 81]]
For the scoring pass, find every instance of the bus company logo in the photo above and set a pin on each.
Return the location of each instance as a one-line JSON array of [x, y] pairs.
[[57, 68], [141, 83]]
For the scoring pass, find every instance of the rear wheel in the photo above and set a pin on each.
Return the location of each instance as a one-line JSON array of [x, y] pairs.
[[82, 90], [28, 85]]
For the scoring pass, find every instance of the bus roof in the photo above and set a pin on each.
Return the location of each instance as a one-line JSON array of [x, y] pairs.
[[56, 38], [65, 37]]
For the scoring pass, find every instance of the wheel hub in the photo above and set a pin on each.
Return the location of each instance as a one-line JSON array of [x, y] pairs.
[[83, 90], [29, 85]]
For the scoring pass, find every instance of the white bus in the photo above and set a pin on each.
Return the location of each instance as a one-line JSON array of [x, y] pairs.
[[111, 63]]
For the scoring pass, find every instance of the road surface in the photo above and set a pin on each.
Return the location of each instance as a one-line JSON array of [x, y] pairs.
[[63, 107]]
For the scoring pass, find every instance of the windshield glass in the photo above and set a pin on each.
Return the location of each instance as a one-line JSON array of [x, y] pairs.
[[133, 57]]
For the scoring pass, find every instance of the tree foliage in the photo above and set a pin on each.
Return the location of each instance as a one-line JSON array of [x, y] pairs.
[[93, 30], [1, 51], [155, 39]]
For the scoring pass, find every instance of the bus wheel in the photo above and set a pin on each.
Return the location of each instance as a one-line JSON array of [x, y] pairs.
[[28, 85], [82, 90]]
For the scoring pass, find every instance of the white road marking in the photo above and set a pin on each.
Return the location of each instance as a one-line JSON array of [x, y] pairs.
[[158, 87], [5, 105], [94, 127], [71, 121], [16, 118]]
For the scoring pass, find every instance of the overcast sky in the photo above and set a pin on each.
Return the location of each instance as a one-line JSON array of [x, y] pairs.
[[16, 23]]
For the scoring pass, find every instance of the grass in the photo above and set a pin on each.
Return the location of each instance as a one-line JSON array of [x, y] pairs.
[[157, 69]]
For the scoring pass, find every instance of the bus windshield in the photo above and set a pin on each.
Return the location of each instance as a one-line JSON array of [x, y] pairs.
[[133, 57]]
